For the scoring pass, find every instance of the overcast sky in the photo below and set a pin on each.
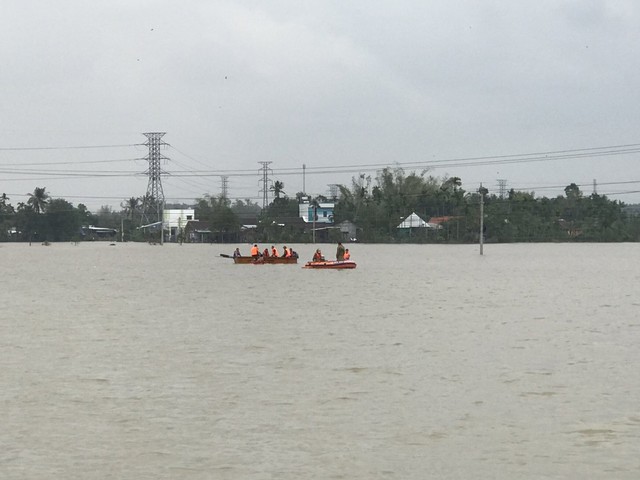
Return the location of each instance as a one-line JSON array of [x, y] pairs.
[[467, 88]]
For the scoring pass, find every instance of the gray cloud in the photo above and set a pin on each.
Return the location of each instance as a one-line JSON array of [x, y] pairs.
[[326, 84]]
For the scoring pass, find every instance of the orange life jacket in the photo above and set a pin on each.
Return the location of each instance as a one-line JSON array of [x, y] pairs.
[[347, 255], [274, 252], [255, 251]]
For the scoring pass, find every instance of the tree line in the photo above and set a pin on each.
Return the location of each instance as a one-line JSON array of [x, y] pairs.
[[375, 205], [378, 206]]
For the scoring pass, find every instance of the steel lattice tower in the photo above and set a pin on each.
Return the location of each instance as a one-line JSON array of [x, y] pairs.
[[224, 180], [502, 187], [154, 199], [265, 183]]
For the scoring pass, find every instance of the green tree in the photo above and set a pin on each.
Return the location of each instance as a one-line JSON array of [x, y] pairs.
[[216, 212], [62, 221], [131, 207], [27, 222], [38, 200], [277, 188], [7, 217]]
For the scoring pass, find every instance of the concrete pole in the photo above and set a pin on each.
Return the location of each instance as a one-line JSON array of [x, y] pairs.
[[481, 219], [315, 213]]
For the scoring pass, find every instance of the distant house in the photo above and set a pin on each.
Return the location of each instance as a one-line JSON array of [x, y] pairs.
[[438, 221], [348, 230], [323, 211], [196, 231], [98, 233], [175, 221], [415, 221]]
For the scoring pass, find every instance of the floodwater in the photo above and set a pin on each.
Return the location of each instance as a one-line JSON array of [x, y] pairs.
[[138, 361]]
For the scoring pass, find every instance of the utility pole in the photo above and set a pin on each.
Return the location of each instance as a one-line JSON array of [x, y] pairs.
[[304, 172], [224, 179], [315, 214], [162, 225], [264, 170], [153, 204], [482, 191]]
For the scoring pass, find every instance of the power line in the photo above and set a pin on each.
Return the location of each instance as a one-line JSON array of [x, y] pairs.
[[14, 149], [518, 158], [31, 164]]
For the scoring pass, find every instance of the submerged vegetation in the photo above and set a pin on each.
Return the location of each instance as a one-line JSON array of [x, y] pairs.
[[374, 206]]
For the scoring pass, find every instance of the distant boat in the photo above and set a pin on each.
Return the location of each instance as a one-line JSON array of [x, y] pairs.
[[262, 260], [332, 264]]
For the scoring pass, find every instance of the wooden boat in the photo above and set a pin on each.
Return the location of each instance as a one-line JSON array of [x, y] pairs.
[[332, 264], [265, 260]]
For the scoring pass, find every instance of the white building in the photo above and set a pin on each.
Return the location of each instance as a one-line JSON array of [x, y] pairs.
[[175, 220], [324, 211]]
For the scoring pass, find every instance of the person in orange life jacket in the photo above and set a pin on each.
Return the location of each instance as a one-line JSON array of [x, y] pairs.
[[347, 255], [265, 254], [255, 251], [287, 252], [274, 252], [317, 257]]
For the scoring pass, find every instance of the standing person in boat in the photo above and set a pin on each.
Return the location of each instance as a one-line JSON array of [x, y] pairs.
[[255, 251], [274, 252], [236, 253], [317, 257], [340, 252], [347, 255]]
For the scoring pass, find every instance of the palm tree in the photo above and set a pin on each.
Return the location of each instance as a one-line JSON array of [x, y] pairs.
[[5, 206], [451, 183], [277, 188], [38, 200], [131, 206]]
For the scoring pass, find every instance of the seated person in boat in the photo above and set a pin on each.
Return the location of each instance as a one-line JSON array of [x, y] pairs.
[[347, 255], [274, 252], [265, 254], [255, 251], [236, 253], [317, 257]]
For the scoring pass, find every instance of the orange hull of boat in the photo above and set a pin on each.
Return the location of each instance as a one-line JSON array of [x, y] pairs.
[[334, 265]]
